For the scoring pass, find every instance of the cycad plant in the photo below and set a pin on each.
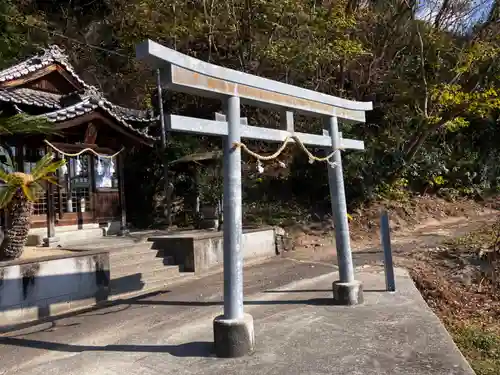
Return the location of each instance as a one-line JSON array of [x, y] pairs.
[[22, 123], [17, 196]]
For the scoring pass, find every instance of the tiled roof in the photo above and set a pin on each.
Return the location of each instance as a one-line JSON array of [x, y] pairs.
[[67, 106], [44, 99], [136, 115], [28, 96], [84, 103], [91, 100], [51, 55], [67, 113]]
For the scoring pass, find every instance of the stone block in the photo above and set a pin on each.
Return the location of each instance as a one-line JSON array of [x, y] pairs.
[[234, 337]]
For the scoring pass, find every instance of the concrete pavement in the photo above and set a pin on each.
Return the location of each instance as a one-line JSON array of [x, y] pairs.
[[298, 331]]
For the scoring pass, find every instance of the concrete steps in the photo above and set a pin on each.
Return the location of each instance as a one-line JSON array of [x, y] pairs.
[[126, 257], [143, 282], [136, 268], [146, 267], [152, 286]]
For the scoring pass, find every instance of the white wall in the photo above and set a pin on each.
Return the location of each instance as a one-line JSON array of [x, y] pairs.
[[36, 290]]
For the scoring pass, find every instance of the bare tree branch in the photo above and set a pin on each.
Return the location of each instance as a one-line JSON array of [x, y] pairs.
[[424, 75]]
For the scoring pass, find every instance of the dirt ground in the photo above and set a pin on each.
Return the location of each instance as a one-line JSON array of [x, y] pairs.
[[415, 225], [441, 244]]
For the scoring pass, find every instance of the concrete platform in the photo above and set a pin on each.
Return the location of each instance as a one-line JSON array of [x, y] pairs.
[[202, 250], [298, 331]]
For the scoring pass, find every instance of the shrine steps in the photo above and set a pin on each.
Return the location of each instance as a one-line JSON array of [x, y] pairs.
[[134, 267], [141, 265]]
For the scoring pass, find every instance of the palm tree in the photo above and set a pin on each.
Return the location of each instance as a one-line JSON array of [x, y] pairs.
[[17, 196]]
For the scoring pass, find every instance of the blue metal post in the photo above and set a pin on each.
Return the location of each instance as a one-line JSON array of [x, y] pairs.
[[233, 262], [385, 237]]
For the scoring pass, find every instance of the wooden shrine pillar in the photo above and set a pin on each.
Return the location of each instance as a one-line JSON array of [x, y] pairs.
[[120, 161], [51, 214], [60, 177], [19, 157]]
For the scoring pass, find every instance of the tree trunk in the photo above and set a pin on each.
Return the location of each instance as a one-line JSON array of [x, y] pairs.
[[16, 235], [441, 13]]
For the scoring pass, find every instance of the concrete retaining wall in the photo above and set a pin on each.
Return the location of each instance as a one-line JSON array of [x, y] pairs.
[[38, 289]]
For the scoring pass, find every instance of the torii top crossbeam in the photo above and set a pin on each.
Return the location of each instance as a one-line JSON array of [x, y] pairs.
[[188, 74]]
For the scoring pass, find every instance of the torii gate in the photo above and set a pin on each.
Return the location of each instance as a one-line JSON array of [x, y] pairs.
[[233, 331]]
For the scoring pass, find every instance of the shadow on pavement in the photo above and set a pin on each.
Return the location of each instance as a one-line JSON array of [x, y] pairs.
[[319, 291], [192, 349], [322, 301], [311, 301]]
